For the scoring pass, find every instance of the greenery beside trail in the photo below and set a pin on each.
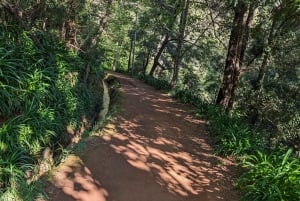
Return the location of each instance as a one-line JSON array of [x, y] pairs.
[[42, 94], [50, 86]]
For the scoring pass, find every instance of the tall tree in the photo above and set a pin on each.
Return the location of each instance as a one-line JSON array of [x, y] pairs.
[[232, 68], [91, 43], [169, 15], [284, 18], [70, 25], [161, 46], [180, 40]]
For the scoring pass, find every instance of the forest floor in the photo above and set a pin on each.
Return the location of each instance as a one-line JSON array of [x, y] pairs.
[[154, 150]]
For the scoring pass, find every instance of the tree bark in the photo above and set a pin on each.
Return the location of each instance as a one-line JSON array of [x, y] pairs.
[[162, 45], [116, 57], [92, 40], [165, 39], [146, 62], [247, 32], [130, 56], [22, 18], [258, 83], [70, 25], [182, 25], [70, 35], [105, 18], [232, 69]]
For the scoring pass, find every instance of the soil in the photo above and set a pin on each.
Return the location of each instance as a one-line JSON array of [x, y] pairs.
[[155, 150]]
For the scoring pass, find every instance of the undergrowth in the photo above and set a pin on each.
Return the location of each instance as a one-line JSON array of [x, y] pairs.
[[41, 94], [157, 83]]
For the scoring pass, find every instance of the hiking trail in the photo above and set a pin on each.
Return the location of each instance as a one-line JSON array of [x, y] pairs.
[[155, 150]]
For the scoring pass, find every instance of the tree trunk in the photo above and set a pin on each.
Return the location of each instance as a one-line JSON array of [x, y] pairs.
[[162, 45], [21, 18], [116, 57], [70, 34], [232, 69], [146, 62], [105, 18], [182, 25], [90, 43], [63, 31], [87, 72], [165, 40], [258, 83], [247, 32], [93, 39], [130, 56]]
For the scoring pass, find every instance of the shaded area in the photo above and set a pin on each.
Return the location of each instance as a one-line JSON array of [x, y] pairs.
[[155, 150]]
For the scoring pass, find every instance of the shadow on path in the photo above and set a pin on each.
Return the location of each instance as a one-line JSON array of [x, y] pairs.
[[154, 151]]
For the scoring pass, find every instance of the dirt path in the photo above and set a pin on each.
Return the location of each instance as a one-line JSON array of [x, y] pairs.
[[154, 151]]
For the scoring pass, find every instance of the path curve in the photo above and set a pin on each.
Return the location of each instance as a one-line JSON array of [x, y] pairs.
[[155, 150]]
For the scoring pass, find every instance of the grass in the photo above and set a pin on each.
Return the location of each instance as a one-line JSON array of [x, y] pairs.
[[42, 93], [273, 176]]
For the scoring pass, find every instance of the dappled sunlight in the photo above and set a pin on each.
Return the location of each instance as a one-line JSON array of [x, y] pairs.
[[165, 141], [180, 172], [192, 119], [154, 150], [77, 181], [168, 145]]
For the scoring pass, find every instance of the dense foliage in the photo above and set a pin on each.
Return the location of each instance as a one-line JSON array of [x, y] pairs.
[[236, 60], [50, 85]]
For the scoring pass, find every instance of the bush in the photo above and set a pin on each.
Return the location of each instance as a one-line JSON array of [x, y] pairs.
[[41, 93], [158, 84], [271, 177], [231, 134], [186, 96]]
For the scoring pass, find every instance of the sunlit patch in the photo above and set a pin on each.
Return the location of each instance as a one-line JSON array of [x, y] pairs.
[[183, 181], [76, 180], [106, 137], [139, 164], [163, 111], [181, 172], [192, 119], [138, 148], [121, 137]]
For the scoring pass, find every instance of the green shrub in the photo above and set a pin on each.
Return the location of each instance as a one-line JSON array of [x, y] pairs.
[[271, 177], [157, 83], [41, 93], [186, 96], [232, 135]]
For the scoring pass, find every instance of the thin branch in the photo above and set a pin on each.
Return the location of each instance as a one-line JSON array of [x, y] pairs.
[[199, 37], [77, 48]]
